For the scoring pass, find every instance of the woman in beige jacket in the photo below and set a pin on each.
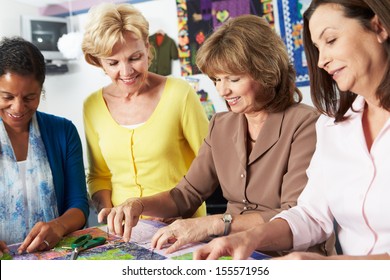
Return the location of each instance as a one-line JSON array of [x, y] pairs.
[[257, 152]]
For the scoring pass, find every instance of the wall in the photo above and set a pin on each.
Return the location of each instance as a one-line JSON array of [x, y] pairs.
[[65, 93], [10, 16]]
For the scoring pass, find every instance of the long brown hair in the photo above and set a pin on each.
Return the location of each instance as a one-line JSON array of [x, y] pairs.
[[326, 96]]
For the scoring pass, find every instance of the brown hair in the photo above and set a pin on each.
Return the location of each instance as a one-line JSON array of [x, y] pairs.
[[248, 45], [325, 94], [107, 22]]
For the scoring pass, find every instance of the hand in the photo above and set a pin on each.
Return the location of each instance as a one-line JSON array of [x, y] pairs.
[[316, 256], [302, 256], [184, 231], [43, 236], [162, 220], [239, 245], [3, 248], [122, 218]]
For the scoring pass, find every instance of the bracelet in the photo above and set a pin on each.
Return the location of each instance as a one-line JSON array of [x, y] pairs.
[[140, 202]]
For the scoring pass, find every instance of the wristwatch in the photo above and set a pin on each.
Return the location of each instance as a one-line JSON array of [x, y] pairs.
[[227, 219]]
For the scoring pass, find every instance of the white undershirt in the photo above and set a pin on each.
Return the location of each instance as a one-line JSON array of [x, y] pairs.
[[22, 171], [133, 126]]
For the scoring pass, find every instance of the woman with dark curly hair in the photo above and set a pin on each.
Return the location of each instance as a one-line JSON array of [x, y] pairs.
[[42, 182]]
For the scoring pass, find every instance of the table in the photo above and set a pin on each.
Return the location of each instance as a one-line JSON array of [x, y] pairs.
[[115, 248]]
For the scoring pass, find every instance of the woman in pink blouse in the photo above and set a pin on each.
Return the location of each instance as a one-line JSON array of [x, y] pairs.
[[347, 47]]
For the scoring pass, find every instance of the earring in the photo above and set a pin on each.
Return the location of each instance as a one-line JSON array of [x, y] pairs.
[[43, 94]]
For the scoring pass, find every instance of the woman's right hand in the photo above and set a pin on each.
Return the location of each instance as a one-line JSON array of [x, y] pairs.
[[184, 231], [122, 218], [238, 245], [3, 248]]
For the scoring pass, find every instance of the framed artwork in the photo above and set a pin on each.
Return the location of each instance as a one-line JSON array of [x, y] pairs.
[[291, 27], [198, 18]]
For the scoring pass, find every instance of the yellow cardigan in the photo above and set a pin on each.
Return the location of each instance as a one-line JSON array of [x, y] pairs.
[[150, 158]]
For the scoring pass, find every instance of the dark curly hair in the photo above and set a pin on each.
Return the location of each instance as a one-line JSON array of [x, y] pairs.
[[21, 57]]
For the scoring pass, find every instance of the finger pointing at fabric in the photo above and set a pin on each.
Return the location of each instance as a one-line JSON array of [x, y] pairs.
[[122, 218]]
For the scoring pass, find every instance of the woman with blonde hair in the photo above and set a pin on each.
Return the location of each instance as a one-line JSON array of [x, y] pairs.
[[143, 130]]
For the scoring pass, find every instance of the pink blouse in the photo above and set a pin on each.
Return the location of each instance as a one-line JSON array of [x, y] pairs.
[[348, 183]]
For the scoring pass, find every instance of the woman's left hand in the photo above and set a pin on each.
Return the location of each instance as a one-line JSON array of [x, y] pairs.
[[302, 256], [42, 237], [184, 231]]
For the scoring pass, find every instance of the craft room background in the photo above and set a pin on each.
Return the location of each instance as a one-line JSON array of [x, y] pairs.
[[186, 22]]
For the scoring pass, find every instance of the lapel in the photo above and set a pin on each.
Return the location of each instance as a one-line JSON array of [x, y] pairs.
[[239, 140], [268, 135]]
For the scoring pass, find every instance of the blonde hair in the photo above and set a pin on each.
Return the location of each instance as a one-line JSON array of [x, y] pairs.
[[106, 25]]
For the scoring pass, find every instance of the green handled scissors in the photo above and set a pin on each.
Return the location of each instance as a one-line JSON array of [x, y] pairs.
[[85, 242]]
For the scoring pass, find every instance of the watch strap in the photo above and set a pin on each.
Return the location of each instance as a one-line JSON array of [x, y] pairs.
[[227, 219]]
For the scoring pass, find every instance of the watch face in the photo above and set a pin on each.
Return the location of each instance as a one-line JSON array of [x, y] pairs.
[[227, 218]]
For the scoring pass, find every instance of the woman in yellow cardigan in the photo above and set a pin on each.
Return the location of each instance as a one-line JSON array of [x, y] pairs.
[[143, 130]]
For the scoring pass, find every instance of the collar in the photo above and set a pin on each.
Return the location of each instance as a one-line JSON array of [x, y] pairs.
[[268, 136], [357, 113]]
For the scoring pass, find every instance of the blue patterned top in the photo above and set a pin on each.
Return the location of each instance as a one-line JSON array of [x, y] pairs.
[[27, 193]]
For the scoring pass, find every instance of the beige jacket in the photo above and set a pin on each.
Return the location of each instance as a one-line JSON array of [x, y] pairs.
[[269, 180]]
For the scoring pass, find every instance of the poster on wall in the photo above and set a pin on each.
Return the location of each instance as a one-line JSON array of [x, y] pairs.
[[198, 18], [291, 27]]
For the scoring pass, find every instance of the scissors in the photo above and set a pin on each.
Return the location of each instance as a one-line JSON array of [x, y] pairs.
[[85, 242]]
